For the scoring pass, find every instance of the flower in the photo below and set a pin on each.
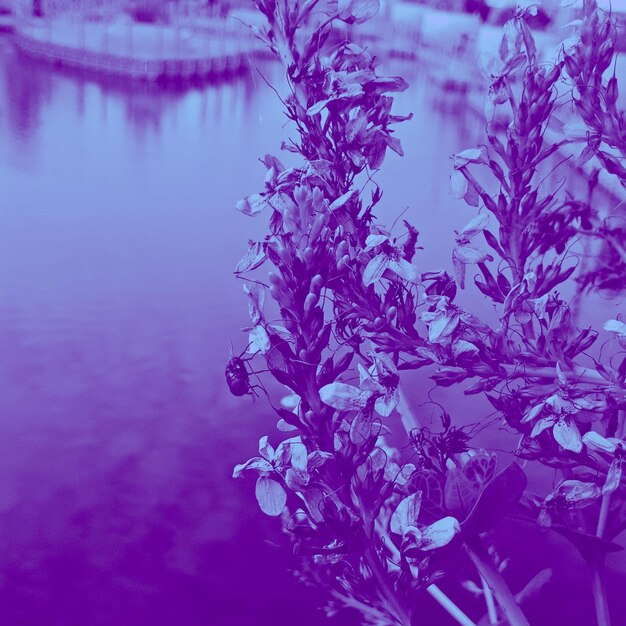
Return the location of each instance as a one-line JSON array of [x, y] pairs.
[[441, 322], [388, 257], [289, 461], [378, 388], [404, 523], [560, 420]]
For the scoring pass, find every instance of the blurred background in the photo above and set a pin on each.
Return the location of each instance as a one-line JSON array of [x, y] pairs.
[[128, 131]]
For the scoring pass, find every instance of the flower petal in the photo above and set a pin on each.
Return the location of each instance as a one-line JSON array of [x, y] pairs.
[[265, 448], [471, 155], [596, 442], [458, 184], [615, 326], [567, 435], [251, 205], [475, 226], [259, 340], [405, 270], [406, 514], [385, 405], [375, 269], [541, 425], [270, 495], [439, 533], [342, 200], [254, 258], [344, 397], [256, 463], [613, 477], [443, 325], [375, 240]]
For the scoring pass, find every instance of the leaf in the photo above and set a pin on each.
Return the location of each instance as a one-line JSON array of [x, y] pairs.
[[256, 464], [406, 514], [375, 269], [343, 397], [534, 585], [439, 533], [567, 435], [500, 495], [429, 483], [587, 544], [480, 468], [270, 495], [460, 494]]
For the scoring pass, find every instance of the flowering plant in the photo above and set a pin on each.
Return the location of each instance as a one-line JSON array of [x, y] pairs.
[[351, 313]]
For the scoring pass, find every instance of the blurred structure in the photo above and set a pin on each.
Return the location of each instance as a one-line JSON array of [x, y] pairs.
[[144, 39]]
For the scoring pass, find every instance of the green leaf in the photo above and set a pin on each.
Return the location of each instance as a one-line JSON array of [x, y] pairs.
[[500, 495], [460, 494]]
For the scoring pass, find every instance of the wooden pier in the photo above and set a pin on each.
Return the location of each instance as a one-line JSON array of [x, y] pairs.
[[138, 51]]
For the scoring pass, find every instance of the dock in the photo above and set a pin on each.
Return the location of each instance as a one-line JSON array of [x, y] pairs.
[[140, 51]]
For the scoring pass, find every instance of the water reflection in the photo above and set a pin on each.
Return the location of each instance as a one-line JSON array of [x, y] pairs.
[[118, 437]]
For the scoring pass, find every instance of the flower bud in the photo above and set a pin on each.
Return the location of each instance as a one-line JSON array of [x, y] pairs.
[[612, 92], [309, 255], [391, 313], [309, 303], [572, 66], [316, 284]]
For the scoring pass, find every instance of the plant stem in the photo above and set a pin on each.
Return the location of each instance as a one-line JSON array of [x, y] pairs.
[[453, 610], [387, 594], [491, 607], [599, 594], [433, 590], [494, 579], [597, 568]]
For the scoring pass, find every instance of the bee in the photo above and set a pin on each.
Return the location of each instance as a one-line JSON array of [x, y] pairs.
[[238, 376]]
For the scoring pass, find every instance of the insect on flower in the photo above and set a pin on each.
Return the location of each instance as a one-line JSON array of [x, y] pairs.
[[238, 376]]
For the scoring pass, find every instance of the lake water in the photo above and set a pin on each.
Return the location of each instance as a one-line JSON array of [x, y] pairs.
[[117, 434]]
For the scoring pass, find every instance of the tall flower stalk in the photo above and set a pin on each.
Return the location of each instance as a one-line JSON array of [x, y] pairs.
[[350, 312]]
